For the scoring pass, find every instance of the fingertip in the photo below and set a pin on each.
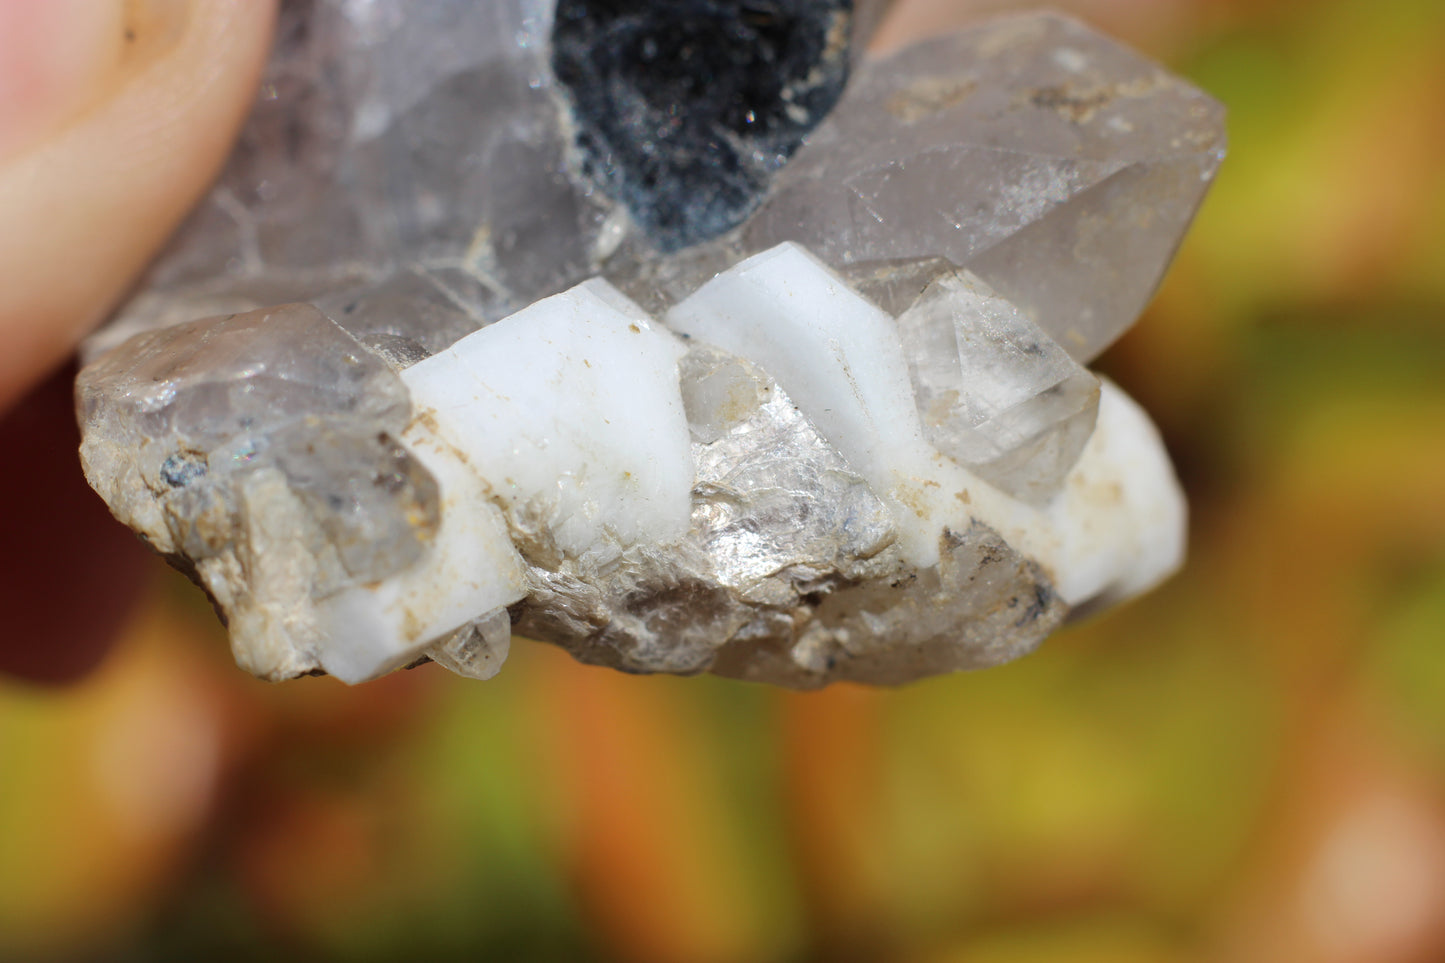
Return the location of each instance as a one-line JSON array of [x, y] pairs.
[[88, 204]]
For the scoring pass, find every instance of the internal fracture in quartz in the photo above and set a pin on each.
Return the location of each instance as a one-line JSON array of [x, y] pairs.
[[484, 349], [1028, 409]]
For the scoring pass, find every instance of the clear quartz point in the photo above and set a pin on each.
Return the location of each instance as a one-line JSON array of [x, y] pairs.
[[994, 391], [478, 649], [450, 381]]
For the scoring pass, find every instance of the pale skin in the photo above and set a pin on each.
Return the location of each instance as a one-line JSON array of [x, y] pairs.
[[115, 116]]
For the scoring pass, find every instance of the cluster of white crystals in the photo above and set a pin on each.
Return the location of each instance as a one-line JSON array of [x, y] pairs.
[[561, 430]]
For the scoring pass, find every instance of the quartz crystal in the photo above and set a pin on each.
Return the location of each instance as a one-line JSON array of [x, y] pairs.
[[678, 334], [1059, 167], [1028, 408]]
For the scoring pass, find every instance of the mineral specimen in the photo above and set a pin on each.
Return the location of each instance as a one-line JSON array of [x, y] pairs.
[[630, 328]]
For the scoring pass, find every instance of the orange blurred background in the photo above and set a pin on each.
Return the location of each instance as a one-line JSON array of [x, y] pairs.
[[1246, 765]]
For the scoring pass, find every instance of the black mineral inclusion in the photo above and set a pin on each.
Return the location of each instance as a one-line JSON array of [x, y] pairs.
[[685, 109]]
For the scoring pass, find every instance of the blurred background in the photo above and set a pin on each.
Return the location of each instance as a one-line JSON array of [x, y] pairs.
[[1248, 764]]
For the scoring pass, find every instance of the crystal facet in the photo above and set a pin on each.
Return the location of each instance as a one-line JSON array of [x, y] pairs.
[[994, 391], [204, 436]]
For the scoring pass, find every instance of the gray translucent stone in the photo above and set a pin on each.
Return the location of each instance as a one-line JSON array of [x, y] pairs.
[[375, 503], [411, 315], [176, 419], [994, 391], [895, 285], [1057, 165], [392, 143], [393, 139], [389, 137], [478, 649]]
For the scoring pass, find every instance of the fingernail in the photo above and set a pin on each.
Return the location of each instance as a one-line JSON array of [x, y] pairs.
[[56, 57]]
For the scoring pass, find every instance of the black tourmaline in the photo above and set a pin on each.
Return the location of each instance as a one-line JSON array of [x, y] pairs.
[[684, 109]]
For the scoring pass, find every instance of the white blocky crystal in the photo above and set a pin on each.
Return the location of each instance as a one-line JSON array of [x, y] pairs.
[[1121, 517], [571, 410]]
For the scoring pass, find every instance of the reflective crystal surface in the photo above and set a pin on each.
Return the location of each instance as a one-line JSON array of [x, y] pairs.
[[408, 423], [177, 416], [213, 437], [1055, 164], [477, 649], [994, 391]]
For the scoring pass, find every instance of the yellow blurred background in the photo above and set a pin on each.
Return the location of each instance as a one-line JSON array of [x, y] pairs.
[[1246, 765]]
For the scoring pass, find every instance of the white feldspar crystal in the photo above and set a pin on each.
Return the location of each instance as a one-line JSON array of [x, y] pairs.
[[1121, 516], [568, 414], [571, 410]]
